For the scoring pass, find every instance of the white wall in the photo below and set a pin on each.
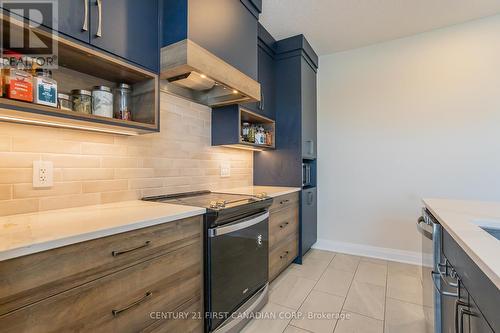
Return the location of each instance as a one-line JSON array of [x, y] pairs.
[[410, 118]]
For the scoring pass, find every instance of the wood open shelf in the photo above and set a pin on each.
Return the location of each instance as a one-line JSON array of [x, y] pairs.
[[226, 127], [81, 67]]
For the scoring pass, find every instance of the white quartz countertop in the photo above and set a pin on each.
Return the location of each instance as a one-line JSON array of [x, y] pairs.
[[25, 234], [271, 191], [461, 219]]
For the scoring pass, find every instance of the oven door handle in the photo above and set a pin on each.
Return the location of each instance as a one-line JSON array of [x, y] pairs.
[[237, 226]]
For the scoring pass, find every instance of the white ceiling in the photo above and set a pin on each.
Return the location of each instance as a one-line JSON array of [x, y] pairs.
[[337, 25]]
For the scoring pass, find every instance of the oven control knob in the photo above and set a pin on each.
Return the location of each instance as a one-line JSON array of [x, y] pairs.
[[213, 204], [261, 195], [221, 203]]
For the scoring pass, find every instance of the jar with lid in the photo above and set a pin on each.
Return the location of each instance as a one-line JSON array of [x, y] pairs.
[[244, 131], [19, 84], [102, 101], [122, 101], [64, 102], [45, 88], [82, 101], [251, 134]]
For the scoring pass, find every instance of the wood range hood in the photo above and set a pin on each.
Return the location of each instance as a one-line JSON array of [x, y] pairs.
[[193, 72]]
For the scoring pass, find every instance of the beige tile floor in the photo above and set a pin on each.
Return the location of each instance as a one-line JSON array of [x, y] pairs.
[[333, 292]]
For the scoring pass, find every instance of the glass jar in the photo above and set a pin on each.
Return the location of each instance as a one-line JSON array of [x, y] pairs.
[[45, 88], [251, 134], [102, 101], [122, 98], [64, 102], [82, 101], [244, 131]]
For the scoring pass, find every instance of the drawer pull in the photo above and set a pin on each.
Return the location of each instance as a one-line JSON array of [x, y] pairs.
[[117, 253], [284, 255], [282, 202], [131, 305], [284, 225]]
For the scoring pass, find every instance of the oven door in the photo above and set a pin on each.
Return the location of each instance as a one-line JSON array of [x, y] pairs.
[[238, 264]]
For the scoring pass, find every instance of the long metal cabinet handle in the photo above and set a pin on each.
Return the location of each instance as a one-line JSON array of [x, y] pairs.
[[458, 303], [444, 293], [462, 313], [99, 27], [237, 226], [139, 301], [85, 26], [117, 253]]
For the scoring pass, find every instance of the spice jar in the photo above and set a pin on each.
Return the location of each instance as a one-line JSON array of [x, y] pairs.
[[251, 134], [102, 101], [244, 131], [122, 101], [64, 102], [19, 85], [45, 88], [82, 101]]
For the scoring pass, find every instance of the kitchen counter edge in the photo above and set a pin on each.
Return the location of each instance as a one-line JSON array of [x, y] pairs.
[[153, 214]]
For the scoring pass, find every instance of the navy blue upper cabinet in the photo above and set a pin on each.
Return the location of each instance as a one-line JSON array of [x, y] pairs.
[[266, 75], [226, 28], [309, 113], [73, 19], [127, 28]]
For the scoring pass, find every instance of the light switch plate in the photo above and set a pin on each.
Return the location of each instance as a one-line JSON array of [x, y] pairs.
[[225, 169], [43, 174]]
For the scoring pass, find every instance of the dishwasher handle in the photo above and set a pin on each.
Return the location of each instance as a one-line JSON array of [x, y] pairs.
[[421, 228]]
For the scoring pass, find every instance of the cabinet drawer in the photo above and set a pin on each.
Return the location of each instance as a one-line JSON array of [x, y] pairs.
[[282, 224], [284, 201], [32, 278], [120, 302], [190, 322], [283, 255]]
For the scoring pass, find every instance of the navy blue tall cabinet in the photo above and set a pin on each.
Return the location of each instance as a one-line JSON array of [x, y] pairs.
[[294, 109]]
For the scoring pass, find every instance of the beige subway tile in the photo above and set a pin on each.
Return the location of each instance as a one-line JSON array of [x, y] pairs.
[[175, 181], [119, 162], [72, 161], [69, 201], [134, 173], [117, 196], [84, 136], [138, 151], [5, 192], [34, 144], [103, 149], [18, 160], [27, 190], [11, 207], [105, 186], [157, 163], [145, 183], [167, 172], [16, 175], [87, 174], [5, 143]]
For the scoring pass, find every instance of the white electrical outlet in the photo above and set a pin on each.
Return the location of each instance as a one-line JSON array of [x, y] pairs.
[[43, 174], [225, 169]]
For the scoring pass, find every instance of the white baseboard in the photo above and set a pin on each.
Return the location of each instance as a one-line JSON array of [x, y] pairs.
[[408, 257]]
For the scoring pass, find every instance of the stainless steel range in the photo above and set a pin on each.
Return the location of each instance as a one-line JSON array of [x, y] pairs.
[[236, 255]]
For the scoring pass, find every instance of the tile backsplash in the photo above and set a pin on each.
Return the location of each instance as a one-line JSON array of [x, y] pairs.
[[92, 168]]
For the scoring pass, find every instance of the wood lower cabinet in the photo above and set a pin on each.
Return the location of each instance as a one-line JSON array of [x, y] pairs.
[[128, 282], [283, 233]]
